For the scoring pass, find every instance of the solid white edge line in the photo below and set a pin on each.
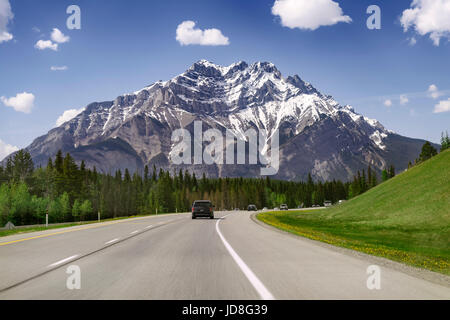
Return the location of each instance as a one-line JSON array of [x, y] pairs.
[[149, 226], [111, 241], [134, 232], [63, 260], [256, 283]]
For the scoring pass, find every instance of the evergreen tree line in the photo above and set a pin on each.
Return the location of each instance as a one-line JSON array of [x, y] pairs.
[[428, 151], [68, 192], [363, 182]]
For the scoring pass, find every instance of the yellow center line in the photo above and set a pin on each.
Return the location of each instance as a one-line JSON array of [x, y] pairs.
[[55, 233], [83, 228]]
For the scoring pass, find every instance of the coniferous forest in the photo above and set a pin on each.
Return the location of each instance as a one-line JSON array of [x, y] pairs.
[[69, 192]]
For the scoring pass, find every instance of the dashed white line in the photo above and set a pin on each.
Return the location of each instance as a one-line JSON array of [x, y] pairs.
[[136, 231], [111, 241], [63, 261], [148, 226], [257, 284]]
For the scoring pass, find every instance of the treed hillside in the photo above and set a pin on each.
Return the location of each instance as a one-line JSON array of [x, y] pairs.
[[418, 197], [406, 218], [71, 193]]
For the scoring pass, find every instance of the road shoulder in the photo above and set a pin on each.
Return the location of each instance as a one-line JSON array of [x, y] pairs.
[[423, 274]]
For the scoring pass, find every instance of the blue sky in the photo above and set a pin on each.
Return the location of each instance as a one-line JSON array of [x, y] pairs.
[[123, 46]]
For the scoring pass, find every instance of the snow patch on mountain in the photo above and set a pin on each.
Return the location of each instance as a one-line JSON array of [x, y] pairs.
[[237, 97]]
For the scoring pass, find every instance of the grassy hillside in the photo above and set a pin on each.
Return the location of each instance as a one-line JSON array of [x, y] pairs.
[[406, 218]]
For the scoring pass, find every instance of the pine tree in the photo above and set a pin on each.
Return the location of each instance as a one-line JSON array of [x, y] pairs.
[[445, 141], [384, 175], [154, 174], [50, 164], [428, 151], [391, 171], [22, 166], [59, 162], [363, 182]]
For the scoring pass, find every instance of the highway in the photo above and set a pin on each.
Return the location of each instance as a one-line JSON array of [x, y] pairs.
[[175, 257]]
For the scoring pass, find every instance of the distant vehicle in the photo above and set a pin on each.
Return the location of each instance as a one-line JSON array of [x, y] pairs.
[[237, 209], [251, 207], [265, 208], [315, 206], [342, 201], [202, 208], [327, 203], [276, 208], [284, 207]]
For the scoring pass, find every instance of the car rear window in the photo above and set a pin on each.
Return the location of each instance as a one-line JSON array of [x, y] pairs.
[[202, 204]]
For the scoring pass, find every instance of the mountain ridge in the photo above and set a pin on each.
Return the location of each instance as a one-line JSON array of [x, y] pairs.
[[235, 98]]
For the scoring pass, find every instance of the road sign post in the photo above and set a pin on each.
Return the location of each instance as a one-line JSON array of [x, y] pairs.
[[46, 220], [99, 216]]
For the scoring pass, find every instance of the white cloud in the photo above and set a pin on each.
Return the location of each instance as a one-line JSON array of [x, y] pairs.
[[59, 68], [46, 44], [412, 41], [6, 16], [5, 36], [58, 36], [388, 103], [403, 99], [307, 14], [442, 106], [187, 34], [6, 149], [428, 17], [68, 115], [22, 102], [433, 91]]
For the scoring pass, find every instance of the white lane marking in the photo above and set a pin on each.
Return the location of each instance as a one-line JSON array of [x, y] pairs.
[[148, 226], [111, 241], [134, 232], [63, 260], [257, 284]]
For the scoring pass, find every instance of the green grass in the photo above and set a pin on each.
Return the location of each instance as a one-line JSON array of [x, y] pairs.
[[406, 219], [4, 233]]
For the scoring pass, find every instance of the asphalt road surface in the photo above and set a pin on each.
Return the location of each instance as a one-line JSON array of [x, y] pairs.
[[175, 257]]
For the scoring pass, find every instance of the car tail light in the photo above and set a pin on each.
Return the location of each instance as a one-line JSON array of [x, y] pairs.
[[192, 209]]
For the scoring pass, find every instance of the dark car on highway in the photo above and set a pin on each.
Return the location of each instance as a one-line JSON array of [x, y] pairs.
[[284, 207], [202, 208], [251, 207]]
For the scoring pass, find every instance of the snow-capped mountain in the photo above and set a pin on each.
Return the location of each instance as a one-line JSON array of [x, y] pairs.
[[317, 134]]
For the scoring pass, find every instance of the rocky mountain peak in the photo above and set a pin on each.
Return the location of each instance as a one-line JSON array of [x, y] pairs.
[[317, 134]]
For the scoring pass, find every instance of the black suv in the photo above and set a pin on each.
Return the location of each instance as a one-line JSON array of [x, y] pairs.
[[251, 207], [202, 208]]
